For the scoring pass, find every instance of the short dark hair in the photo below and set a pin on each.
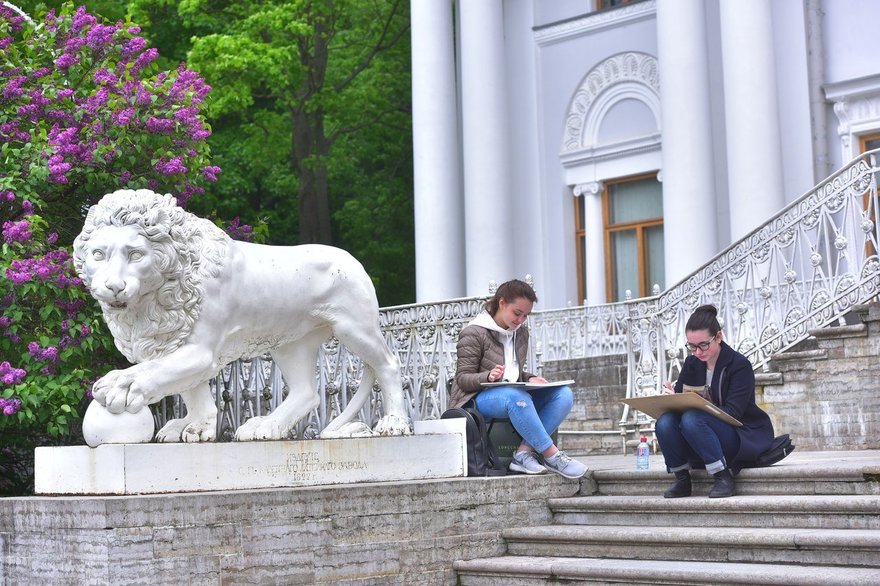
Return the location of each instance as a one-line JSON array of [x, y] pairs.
[[510, 292], [705, 317]]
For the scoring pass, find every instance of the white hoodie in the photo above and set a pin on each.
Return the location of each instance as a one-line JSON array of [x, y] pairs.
[[507, 338]]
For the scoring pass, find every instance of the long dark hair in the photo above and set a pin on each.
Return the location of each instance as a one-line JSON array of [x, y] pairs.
[[705, 317], [510, 292]]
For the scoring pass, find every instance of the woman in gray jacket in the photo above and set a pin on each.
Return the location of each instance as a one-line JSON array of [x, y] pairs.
[[492, 348]]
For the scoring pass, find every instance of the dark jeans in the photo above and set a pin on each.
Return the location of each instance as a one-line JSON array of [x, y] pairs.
[[694, 437]]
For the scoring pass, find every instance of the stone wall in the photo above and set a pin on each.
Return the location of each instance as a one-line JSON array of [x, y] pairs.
[[828, 397], [600, 383], [365, 534], [826, 394]]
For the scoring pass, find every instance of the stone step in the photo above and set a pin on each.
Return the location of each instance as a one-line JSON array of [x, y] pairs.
[[831, 547], [818, 478], [796, 511], [529, 570]]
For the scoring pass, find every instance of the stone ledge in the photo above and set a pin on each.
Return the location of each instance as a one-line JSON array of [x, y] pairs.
[[853, 331], [437, 450]]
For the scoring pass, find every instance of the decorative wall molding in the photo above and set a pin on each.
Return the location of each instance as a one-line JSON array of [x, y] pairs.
[[592, 187], [595, 21], [630, 75], [857, 107]]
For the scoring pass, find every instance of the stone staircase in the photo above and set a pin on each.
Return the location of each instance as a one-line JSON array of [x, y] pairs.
[[815, 520]]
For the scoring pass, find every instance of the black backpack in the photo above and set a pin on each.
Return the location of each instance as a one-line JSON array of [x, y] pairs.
[[482, 457], [780, 448]]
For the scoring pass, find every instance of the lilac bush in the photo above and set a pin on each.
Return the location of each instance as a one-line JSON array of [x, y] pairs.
[[84, 110]]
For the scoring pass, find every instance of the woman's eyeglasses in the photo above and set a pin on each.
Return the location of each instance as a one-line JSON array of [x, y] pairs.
[[703, 346]]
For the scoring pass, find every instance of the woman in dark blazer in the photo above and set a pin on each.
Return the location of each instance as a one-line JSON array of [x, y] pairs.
[[697, 439]]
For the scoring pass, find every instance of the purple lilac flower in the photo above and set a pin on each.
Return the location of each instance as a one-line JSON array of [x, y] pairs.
[[66, 61], [16, 231], [85, 330], [6, 321], [133, 46], [123, 117], [105, 77], [160, 125], [82, 19], [10, 406], [10, 375], [13, 87], [27, 207], [145, 59], [170, 167], [210, 173], [5, 42]]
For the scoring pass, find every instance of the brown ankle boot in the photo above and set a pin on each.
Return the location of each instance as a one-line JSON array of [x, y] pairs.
[[681, 487]]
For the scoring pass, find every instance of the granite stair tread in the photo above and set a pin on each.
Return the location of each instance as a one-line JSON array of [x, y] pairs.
[[521, 570], [837, 547]]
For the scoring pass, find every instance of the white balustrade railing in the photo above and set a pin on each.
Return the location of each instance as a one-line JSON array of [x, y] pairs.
[[803, 269]]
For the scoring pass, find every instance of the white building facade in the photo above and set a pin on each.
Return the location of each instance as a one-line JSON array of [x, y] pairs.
[[605, 146]]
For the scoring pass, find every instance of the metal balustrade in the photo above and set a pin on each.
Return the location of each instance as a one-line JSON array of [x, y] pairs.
[[804, 268]]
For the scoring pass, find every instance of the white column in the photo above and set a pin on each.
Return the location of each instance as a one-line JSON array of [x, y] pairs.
[[439, 217], [489, 227], [689, 212], [754, 151], [594, 242]]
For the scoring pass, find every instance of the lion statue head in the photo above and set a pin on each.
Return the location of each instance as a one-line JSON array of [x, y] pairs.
[[146, 261]]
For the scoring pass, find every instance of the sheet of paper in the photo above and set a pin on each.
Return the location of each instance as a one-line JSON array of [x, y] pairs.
[[558, 383], [657, 405]]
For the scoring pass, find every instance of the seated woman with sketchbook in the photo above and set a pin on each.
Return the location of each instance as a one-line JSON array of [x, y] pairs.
[[697, 439], [491, 353]]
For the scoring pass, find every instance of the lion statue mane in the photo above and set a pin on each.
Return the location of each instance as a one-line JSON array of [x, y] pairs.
[[182, 299]]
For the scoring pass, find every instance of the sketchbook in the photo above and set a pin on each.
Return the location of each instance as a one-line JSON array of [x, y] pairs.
[[558, 383], [657, 405]]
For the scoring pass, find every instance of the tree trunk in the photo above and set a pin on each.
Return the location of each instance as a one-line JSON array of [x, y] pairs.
[[309, 159]]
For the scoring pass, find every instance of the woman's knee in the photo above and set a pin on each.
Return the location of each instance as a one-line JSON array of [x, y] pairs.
[[666, 423], [692, 418], [564, 397]]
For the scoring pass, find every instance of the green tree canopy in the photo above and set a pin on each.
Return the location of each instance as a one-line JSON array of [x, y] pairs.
[[310, 110]]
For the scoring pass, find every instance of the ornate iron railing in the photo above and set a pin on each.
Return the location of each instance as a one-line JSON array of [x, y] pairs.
[[803, 269]]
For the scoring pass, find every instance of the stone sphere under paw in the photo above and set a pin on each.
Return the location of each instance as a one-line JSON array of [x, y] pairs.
[[102, 427]]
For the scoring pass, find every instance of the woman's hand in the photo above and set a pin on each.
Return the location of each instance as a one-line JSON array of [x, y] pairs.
[[496, 373], [668, 389], [538, 379]]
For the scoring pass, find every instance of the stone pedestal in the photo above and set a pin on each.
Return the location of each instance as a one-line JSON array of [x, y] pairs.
[[435, 451]]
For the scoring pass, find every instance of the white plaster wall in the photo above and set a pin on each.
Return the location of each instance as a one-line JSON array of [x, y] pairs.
[[531, 255], [549, 11], [851, 39], [562, 66], [789, 39]]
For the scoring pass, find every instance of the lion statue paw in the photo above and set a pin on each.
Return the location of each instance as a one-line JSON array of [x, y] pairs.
[[393, 425], [353, 429], [260, 428], [187, 430]]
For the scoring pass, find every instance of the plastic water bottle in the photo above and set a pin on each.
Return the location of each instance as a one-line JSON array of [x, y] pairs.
[[643, 452]]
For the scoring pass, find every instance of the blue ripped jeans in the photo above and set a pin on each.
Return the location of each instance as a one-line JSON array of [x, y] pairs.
[[694, 437], [534, 413]]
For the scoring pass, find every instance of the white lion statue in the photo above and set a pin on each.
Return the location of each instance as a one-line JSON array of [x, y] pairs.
[[182, 299]]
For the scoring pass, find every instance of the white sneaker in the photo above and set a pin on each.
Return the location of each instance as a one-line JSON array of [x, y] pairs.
[[561, 464], [527, 463]]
